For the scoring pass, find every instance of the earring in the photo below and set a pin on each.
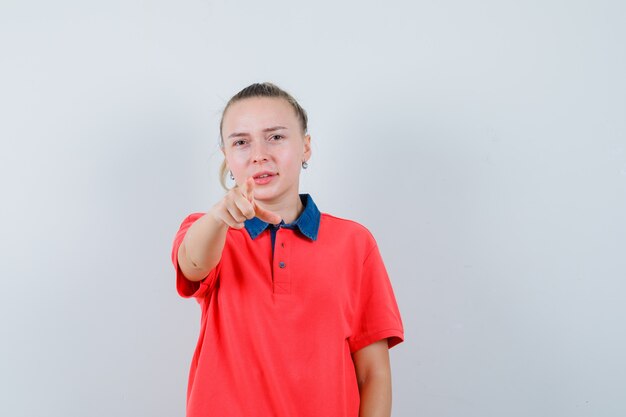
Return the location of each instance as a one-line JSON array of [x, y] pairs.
[[304, 165], [231, 175]]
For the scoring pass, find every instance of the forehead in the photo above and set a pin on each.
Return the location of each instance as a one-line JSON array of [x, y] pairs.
[[257, 113]]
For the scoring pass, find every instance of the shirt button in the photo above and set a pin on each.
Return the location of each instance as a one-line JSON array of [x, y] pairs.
[[281, 264]]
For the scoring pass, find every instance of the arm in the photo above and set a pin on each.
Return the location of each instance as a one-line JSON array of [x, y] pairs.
[[202, 247], [373, 372]]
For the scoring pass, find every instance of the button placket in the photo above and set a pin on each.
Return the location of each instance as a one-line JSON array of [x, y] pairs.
[[282, 270]]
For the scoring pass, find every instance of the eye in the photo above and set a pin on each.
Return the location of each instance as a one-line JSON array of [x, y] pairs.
[[235, 143], [278, 136]]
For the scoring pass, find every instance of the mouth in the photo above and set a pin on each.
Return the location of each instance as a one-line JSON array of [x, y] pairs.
[[264, 177], [264, 174]]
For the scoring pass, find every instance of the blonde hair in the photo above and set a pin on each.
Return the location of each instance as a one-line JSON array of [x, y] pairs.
[[265, 89]]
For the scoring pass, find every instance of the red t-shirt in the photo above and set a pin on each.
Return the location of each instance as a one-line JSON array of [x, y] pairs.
[[277, 333]]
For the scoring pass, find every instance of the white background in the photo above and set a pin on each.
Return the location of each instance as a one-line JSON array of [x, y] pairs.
[[482, 143]]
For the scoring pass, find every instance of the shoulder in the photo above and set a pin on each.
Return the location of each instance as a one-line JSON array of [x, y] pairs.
[[187, 222], [344, 225], [191, 218]]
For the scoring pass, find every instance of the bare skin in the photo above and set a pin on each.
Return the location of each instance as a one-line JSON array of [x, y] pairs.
[[373, 372]]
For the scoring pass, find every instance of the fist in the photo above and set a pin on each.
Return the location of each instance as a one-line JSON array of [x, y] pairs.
[[239, 204]]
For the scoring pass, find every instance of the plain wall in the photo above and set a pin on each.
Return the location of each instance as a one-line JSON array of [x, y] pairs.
[[482, 143]]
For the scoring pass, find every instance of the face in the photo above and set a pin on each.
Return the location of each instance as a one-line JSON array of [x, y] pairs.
[[262, 135]]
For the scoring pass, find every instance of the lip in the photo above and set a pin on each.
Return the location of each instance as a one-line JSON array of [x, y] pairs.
[[265, 180], [258, 174]]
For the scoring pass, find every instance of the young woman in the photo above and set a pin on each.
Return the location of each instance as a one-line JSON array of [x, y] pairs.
[[298, 312]]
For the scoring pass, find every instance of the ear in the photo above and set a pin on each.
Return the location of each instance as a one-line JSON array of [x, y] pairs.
[[307, 147]]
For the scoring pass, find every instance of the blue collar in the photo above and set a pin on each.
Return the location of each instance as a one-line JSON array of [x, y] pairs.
[[308, 222]]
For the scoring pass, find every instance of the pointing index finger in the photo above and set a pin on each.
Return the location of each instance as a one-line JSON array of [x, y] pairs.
[[247, 189]]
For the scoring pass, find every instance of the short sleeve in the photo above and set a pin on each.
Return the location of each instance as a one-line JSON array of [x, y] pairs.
[[377, 315], [185, 287]]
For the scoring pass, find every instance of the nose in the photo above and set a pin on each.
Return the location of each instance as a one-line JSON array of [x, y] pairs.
[[259, 152]]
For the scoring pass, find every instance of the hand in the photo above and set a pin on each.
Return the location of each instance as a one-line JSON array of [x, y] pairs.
[[239, 204]]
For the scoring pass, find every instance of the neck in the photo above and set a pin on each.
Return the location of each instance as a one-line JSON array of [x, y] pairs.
[[289, 209]]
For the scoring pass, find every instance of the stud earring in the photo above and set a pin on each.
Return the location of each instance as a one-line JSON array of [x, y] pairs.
[[231, 175], [304, 165]]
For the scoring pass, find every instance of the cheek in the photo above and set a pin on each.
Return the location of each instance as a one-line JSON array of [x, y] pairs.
[[293, 156], [291, 161], [236, 160]]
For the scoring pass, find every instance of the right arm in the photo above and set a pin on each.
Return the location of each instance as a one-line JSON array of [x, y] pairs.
[[201, 249]]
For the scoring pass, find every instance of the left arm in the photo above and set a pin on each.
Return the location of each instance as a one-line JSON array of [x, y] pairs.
[[373, 373]]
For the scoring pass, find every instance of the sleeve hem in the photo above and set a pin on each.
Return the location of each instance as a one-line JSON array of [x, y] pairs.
[[393, 336], [186, 287]]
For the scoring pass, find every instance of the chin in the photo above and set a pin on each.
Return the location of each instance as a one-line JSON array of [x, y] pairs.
[[266, 194]]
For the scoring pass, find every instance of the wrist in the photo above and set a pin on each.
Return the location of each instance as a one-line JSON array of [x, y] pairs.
[[215, 219]]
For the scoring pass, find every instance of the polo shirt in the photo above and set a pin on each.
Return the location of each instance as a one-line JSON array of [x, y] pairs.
[[277, 332]]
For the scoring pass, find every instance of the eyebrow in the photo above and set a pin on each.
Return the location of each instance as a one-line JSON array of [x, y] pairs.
[[268, 129]]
